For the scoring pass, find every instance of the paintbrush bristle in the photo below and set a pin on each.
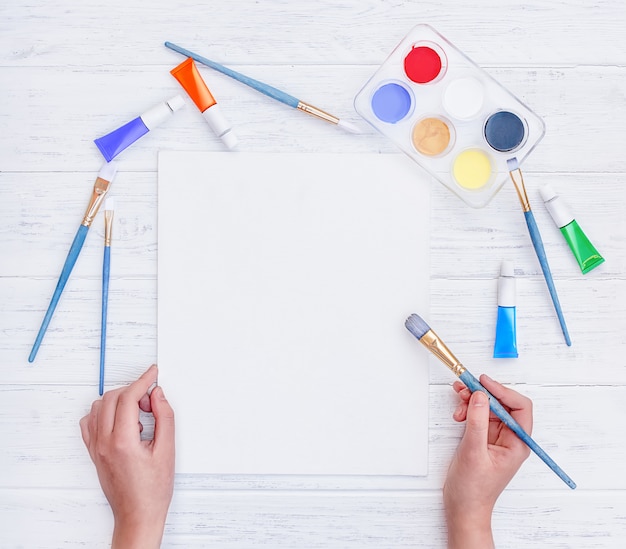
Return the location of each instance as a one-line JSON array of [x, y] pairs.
[[108, 171], [348, 126], [512, 164], [417, 326]]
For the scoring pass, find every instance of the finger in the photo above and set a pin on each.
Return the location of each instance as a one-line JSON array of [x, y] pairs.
[[520, 406], [460, 414], [458, 386], [84, 429], [106, 412], [92, 421], [144, 403], [477, 424], [140, 387], [127, 412], [163, 422], [462, 390]]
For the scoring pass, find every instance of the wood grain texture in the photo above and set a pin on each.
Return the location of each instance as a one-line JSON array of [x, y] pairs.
[[71, 72], [321, 520], [536, 32]]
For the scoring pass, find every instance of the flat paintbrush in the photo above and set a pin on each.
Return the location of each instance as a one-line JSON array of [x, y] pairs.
[[427, 337], [106, 269], [535, 236], [100, 188]]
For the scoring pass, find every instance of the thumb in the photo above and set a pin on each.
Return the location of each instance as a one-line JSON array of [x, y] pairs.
[[163, 420], [477, 425]]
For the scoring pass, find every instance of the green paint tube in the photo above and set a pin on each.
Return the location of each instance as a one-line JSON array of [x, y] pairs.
[[585, 253]]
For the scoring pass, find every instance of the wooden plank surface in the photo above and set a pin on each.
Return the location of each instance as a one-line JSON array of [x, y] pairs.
[[71, 72], [317, 520]]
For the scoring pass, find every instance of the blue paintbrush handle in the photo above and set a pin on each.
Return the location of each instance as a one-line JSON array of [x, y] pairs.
[[70, 261], [474, 385], [543, 261], [268, 90], [106, 266]]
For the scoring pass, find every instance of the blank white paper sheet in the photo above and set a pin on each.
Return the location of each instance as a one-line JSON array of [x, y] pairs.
[[284, 281]]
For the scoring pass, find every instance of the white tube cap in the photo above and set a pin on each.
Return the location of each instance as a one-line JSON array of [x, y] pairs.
[[556, 206], [222, 127], [176, 103], [230, 139], [161, 112], [506, 285]]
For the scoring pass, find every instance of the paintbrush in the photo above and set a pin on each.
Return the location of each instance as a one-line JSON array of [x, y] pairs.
[[427, 337], [535, 236], [100, 188], [109, 207], [268, 90]]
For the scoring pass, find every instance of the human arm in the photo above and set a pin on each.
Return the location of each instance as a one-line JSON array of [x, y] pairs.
[[137, 477], [486, 460]]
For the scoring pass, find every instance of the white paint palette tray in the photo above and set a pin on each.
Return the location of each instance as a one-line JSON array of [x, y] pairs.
[[449, 115]]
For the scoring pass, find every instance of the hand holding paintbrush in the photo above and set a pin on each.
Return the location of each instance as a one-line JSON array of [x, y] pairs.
[[486, 460], [427, 337]]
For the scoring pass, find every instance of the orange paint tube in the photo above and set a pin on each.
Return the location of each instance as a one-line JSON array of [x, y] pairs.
[[190, 79]]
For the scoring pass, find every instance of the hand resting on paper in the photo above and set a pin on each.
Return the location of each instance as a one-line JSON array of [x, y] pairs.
[[486, 460], [137, 476]]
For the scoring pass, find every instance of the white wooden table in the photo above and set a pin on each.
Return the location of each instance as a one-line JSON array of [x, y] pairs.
[[72, 71]]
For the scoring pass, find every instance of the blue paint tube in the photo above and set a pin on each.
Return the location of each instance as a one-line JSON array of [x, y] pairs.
[[120, 139], [506, 326]]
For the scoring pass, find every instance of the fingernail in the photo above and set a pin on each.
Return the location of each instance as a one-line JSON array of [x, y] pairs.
[[160, 393], [152, 388], [458, 409], [487, 377], [480, 399]]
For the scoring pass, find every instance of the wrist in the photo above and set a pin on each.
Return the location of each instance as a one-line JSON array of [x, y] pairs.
[[469, 530], [137, 534]]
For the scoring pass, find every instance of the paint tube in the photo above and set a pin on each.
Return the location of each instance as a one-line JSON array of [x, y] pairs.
[[120, 139], [506, 327], [189, 78], [585, 253]]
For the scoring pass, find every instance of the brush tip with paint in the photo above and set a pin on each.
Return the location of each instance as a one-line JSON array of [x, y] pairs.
[[417, 326], [512, 164]]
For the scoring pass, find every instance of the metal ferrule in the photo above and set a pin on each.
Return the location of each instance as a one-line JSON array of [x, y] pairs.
[[100, 188], [518, 181], [108, 226], [431, 341], [318, 113]]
